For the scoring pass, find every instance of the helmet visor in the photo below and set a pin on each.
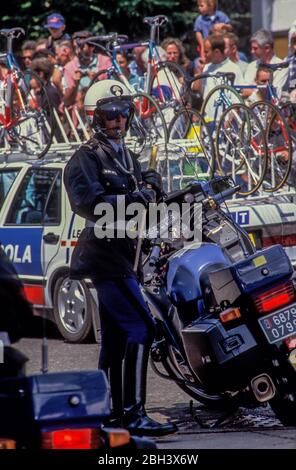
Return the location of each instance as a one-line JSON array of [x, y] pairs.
[[114, 109]]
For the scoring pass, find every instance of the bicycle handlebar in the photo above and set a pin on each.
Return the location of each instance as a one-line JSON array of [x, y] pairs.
[[229, 75], [12, 32], [224, 194], [119, 38], [281, 65], [158, 20]]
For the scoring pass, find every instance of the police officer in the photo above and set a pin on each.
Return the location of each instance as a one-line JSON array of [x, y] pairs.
[[101, 171]]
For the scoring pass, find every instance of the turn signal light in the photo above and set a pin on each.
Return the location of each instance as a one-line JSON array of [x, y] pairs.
[[117, 437], [7, 444], [275, 298], [230, 314], [72, 439]]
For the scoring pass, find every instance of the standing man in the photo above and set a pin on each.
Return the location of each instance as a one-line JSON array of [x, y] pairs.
[[104, 171], [262, 48], [216, 62]]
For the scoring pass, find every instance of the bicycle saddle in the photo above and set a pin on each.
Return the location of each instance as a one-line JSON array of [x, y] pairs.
[[13, 32], [158, 20]]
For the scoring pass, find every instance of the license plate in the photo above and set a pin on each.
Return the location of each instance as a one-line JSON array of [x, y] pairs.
[[280, 324]]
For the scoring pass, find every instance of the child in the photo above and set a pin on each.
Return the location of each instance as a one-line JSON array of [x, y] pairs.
[[209, 19]]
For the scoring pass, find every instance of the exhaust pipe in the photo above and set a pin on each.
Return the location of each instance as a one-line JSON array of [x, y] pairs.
[[263, 387]]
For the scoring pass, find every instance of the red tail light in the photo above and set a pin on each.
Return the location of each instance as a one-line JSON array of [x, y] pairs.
[[274, 298], [72, 439], [285, 240]]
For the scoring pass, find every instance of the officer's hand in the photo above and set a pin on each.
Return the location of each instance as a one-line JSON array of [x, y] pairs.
[[153, 178], [144, 196]]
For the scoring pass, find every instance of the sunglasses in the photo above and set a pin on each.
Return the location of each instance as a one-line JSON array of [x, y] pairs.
[[114, 114]]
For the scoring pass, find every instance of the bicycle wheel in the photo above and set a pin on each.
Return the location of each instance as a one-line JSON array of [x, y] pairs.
[[148, 124], [167, 86], [188, 129], [279, 143], [217, 101], [32, 125], [289, 111], [241, 148]]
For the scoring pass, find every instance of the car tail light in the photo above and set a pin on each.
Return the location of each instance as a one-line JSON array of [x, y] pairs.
[[230, 314], [72, 439], [117, 437], [7, 444], [284, 240], [274, 298]]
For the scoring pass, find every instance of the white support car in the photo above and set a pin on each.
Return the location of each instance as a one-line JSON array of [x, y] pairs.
[[38, 231], [268, 221]]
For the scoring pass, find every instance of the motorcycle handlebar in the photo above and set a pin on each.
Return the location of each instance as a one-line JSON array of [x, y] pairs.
[[224, 194]]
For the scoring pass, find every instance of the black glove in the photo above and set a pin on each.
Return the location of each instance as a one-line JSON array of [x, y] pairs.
[[144, 195], [153, 178]]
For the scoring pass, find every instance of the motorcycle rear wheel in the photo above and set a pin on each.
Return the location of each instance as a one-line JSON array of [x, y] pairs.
[[178, 370]]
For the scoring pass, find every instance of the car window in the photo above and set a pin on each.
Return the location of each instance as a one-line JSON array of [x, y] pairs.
[[38, 199], [7, 177]]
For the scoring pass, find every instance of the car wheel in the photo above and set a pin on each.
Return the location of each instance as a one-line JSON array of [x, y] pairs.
[[72, 309]]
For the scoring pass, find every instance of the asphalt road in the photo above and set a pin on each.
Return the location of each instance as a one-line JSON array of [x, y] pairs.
[[198, 428]]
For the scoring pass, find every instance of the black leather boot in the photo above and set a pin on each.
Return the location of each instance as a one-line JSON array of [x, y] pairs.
[[114, 376], [135, 418]]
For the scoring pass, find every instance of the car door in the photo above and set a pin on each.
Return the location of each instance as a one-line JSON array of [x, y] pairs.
[[32, 227]]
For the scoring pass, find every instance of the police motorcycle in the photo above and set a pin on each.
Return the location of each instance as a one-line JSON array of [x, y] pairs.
[[226, 313], [63, 410]]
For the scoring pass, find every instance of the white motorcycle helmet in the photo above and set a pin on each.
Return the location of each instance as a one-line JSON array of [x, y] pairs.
[[107, 98]]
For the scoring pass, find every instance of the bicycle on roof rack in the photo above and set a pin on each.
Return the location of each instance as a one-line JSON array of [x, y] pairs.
[[161, 93], [26, 117]]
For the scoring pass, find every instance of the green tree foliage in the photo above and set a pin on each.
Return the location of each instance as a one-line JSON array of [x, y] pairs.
[[123, 16]]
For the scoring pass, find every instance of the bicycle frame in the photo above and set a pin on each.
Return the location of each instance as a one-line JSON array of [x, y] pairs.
[[11, 83]]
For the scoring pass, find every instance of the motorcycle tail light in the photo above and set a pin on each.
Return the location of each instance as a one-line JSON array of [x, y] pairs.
[[7, 444], [85, 438], [117, 437], [274, 298], [229, 314]]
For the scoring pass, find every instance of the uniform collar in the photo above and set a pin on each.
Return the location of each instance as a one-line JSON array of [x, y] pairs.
[[115, 146]]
